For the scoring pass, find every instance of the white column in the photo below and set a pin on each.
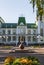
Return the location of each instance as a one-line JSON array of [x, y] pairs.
[[6, 35], [43, 23], [0, 35], [43, 34], [43, 31], [31, 35], [16, 36], [39, 24], [43, 26], [11, 38], [26, 37], [26, 40], [11, 34], [16, 39], [0, 38], [0, 24]]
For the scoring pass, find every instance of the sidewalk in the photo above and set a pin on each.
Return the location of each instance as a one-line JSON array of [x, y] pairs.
[[36, 50], [1, 63]]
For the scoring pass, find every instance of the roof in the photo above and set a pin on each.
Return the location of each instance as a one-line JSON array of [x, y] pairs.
[[9, 25], [21, 20], [14, 25], [31, 25]]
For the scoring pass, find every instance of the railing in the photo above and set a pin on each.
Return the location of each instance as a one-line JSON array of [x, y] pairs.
[[19, 34]]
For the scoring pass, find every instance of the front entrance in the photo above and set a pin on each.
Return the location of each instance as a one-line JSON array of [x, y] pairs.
[[21, 38]]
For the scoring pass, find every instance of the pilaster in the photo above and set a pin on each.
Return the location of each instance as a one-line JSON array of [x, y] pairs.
[[39, 27], [11, 34], [31, 35]]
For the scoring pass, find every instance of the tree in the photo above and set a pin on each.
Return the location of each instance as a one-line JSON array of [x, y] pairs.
[[40, 7]]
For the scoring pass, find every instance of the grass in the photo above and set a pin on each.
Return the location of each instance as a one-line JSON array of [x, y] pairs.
[[36, 46], [7, 47]]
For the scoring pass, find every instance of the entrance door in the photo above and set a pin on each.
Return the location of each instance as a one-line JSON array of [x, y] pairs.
[[21, 38]]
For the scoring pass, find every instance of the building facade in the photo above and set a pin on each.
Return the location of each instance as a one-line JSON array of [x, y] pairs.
[[14, 33]]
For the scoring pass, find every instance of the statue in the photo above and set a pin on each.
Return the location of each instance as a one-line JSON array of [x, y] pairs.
[[21, 46]]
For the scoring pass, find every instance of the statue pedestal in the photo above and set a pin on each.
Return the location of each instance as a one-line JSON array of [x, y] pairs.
[[21, 46]]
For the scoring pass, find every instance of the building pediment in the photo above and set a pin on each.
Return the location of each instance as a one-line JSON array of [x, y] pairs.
[[21, 21]]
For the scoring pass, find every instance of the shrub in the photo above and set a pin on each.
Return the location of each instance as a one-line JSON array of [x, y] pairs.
[[9, 60], [35, 63], [16, 62], [21, 61], [33, 58]]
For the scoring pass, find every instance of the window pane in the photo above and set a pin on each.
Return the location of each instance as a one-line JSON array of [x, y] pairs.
[[14, 38], [34, 31], [3, 38], [14, 31], [9, 32], [41, 32], [29, 31], [34, 38], [29, 38], [3, 32], [9, 38]]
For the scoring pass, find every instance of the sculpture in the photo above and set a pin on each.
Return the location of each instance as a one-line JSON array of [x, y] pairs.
[[21, 46]]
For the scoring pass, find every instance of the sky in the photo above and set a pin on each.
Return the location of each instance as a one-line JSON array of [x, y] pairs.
[[11, 10]]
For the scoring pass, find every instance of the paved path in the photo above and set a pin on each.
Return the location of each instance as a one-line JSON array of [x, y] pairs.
[[37, 50]]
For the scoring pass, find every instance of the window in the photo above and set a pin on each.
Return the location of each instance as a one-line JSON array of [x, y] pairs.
[[29, 31], [14, 31], [34, 38], [0, 32], [41, 32], [29, 38], [9, 38], [4, 38], [34, 31], [3, 32], [14, 38], [9, 32], [21, 30]]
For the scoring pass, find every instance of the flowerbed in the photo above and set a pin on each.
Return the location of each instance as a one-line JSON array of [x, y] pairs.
[[21, 61]]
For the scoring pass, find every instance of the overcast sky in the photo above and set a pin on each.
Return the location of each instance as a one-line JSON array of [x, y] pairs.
[[10, 10]]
